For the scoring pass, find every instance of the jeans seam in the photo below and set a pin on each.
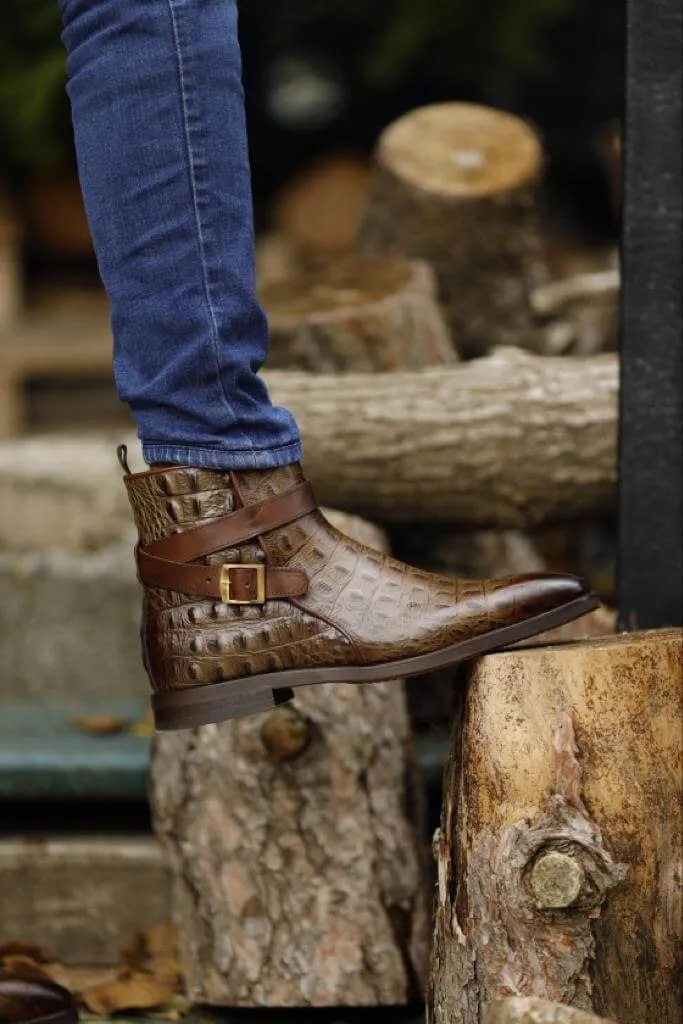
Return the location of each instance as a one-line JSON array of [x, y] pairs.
[[220, 451], [197, 213]]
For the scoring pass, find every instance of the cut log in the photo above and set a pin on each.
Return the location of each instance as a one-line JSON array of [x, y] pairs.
[[319, 211], [580, 313], [559, 850], [538, 1011], [509, 440], [358, 314], [296, 853], [454, 185]]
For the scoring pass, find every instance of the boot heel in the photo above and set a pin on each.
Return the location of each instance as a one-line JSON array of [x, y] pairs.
[[187, 709]]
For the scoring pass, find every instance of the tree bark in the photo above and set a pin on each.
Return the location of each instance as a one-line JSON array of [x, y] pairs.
[[295, 849], [512, 440], [537, 1011], [357, 314], [559, 851], [454, 185]]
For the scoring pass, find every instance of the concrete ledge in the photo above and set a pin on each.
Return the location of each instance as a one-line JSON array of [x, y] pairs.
[[79, 898], [62, 492], [69, 626]]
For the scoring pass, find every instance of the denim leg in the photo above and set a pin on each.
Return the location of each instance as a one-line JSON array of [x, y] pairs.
[[158, 112]]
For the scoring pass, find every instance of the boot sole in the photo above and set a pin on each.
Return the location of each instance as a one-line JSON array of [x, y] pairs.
[[235, 698]]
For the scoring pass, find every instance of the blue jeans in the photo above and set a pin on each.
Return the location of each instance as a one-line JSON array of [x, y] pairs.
[[158, 113]]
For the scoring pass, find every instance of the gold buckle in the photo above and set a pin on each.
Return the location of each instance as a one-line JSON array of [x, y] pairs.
[[260, 571]]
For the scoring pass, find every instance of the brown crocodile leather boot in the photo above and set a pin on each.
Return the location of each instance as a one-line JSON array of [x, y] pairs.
[[25, 999], [250, 592]]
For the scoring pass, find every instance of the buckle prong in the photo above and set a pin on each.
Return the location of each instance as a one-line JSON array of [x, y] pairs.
[[225, 583]]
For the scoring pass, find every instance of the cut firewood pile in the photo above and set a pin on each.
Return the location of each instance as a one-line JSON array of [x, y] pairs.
[[461, 395], [423, 366], [447, 385]]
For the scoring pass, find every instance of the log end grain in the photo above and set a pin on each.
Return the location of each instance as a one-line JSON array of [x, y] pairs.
[[462, 150]]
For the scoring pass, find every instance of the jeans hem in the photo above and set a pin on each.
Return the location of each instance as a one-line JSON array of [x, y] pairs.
[[221, 459]]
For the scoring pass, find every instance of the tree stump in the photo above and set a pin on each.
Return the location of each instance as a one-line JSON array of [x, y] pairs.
[[454, 185], [512, 440], [538, 1011], [559, 871], [357, 314], [295, 848]]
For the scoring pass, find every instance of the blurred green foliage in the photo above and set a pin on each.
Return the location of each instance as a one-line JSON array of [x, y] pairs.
[[34, 118], [482, 43], [472, 41]]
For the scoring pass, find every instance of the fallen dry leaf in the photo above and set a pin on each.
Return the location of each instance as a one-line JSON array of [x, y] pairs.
[[131, 990], [134, 952], [144, 728], [154, 950], [24, 965], [77, 979], [100, 725], [15, 947]]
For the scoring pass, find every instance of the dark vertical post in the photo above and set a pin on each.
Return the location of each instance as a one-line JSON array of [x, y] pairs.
[[651, 444]]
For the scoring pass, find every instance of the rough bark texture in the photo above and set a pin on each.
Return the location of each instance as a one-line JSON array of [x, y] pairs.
[[296, 867], [295, 850], [509, 440], [559, 852], [537, 1011], [357, 314], [454, 185]]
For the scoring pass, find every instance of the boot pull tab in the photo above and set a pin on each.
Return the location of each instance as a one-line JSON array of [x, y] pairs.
[[122, 455]]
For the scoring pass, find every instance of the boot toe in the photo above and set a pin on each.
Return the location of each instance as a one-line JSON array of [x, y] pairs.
[[535, 594]]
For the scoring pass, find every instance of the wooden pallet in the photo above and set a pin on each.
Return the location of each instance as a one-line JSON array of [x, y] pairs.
[[48, 348]]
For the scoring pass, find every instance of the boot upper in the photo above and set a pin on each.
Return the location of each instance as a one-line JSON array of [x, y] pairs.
[[360, 607]]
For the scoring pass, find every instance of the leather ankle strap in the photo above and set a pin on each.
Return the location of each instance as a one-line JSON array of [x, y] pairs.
[[239, 586], [165, 563]]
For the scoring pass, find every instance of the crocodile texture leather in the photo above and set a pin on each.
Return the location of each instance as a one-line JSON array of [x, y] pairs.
[[25, 999], [361, 608]]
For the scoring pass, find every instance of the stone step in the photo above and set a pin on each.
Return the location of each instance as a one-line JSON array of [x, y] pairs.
[[63, 492], [69, 626], [45, 756], [80, 897]]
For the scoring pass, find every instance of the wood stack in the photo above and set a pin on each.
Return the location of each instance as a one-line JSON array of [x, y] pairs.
[[295, 853]]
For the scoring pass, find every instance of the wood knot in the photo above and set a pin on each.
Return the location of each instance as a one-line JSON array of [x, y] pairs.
[[286, 734], [556, 881]]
